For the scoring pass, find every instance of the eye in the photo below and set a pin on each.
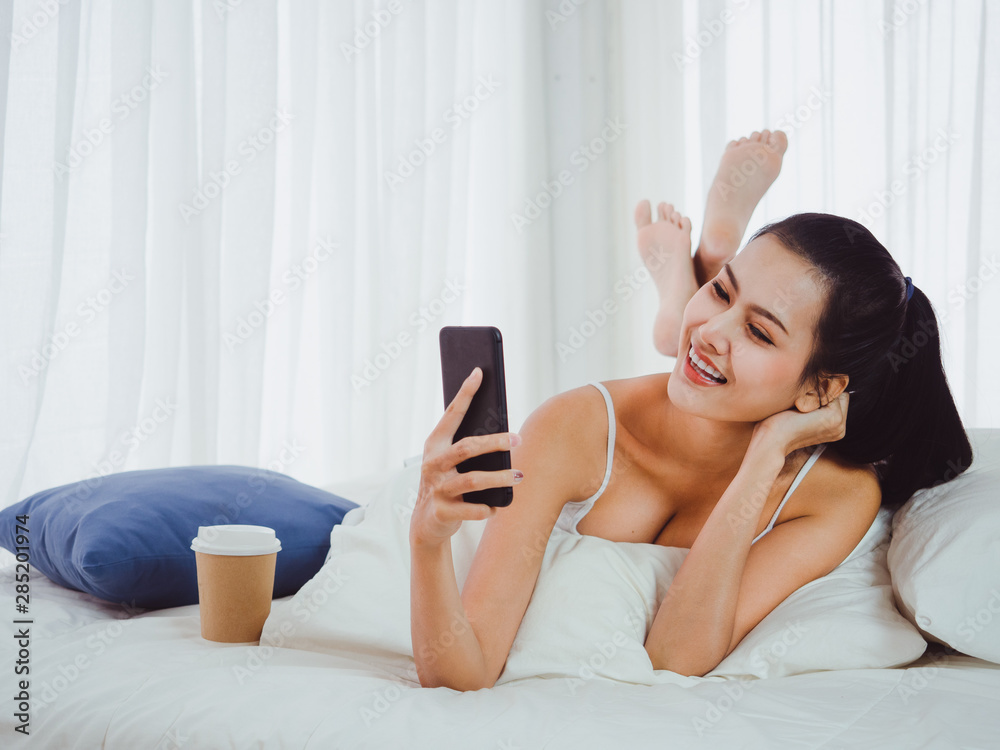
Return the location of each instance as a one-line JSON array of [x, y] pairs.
[[721, 294]]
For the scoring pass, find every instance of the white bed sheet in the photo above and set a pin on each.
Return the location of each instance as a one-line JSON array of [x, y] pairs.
[[103, 679]]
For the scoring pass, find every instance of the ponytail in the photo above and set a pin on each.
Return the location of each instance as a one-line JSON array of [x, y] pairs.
[[921, 442]]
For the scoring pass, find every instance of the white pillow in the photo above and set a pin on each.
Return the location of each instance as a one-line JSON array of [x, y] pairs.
[[592, 606], [359, 601], [845, 620], [945, 555], [595, 602]]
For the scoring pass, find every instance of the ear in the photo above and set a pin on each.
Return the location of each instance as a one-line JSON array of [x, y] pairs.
[[828, 389]]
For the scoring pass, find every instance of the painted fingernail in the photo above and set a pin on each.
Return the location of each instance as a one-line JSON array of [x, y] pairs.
[[515, 439], [518, 476]]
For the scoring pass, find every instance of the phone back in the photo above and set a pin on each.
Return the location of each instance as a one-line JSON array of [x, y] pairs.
[[463, 348]]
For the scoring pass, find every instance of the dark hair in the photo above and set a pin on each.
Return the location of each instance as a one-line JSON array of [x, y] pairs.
[[902, 417]]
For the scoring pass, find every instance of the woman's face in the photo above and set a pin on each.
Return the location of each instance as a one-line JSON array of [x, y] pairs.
[[727, 322]]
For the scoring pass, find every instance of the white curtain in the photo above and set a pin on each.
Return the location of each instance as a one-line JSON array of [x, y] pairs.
[[231, 229]]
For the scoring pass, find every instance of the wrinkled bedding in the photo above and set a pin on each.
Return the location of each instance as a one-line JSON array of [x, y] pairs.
[[105, 676]]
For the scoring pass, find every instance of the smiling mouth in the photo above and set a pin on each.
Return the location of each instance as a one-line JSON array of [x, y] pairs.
[[698, 368]]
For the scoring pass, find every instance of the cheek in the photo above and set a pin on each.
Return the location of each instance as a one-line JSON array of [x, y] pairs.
[[761, 368]]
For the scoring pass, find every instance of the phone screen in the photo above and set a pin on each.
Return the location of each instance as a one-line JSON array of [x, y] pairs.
[[463, 348]]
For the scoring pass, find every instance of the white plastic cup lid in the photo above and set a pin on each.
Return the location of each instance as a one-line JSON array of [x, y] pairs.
[[235, 539]]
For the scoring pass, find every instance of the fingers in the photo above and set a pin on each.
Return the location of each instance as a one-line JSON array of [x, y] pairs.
[[448, 425], [476, 445], [471, 481]]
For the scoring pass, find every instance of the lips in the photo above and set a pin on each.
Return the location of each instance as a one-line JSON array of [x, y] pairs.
[[699, 361]]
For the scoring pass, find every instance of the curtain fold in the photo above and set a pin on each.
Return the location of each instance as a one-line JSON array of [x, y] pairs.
[[230, 231]]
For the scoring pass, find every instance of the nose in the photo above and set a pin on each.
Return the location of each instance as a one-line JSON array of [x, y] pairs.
[[712, 335]]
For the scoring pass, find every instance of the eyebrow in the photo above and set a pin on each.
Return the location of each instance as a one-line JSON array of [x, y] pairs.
[[756, 308]]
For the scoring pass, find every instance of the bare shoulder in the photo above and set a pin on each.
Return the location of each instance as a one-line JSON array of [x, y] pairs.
[[566, 436], [629, 394], [840, 489]]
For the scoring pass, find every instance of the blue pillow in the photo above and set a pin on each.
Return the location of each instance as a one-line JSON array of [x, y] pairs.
[[126, 537]]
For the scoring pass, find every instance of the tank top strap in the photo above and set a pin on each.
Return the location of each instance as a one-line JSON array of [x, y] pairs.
[[611, 440], [817, 452], [573, 511]]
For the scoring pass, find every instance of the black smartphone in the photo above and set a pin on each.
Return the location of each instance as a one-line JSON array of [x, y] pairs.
[[463, 348]]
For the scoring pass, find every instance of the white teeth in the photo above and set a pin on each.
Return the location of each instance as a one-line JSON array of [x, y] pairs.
[[704, 365]]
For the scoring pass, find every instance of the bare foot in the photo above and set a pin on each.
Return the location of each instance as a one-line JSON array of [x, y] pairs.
[[746, 170], [665, 247]]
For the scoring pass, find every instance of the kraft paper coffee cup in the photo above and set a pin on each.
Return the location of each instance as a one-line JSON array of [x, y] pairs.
[[235, 580]]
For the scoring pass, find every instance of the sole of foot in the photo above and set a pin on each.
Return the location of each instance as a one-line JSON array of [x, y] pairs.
[[747, 169], [665, 248]]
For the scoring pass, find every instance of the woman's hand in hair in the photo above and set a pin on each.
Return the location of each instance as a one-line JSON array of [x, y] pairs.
[[792, 429]]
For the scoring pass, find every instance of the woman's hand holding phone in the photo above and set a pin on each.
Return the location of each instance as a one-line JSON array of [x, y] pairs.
[[440, 510]]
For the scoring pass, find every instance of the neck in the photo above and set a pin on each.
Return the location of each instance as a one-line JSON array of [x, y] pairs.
[[705, 447]]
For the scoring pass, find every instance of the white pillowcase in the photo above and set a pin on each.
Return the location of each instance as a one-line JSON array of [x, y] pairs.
[[595, 601], [593, 604], [945, 555]]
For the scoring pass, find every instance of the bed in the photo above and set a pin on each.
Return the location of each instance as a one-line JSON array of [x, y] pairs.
[[108, 676]]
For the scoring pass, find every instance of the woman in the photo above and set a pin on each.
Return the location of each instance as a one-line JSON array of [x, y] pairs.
[[750, 466]]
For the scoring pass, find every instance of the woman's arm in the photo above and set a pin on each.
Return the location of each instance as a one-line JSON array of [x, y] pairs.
[[462, 640], [724, 588], [693, 627], [445, 648]]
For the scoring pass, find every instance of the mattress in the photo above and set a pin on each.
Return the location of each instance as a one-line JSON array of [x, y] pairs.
[[102, 676]]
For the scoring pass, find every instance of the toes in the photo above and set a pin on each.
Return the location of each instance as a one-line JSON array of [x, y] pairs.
[[778, 141], [755, 136], [643, 214], [685, 223], [675, 217], [665, 209]]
